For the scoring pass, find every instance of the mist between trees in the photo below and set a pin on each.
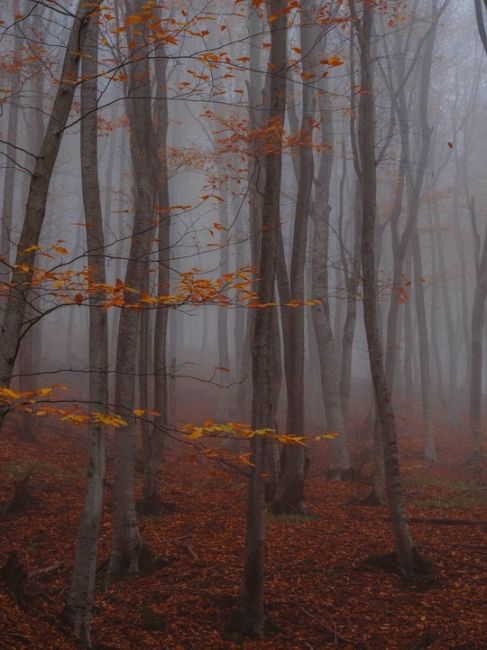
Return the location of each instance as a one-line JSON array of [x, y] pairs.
[[251, 230]]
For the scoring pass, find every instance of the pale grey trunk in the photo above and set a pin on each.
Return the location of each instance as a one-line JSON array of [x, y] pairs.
[[157, 434], [424, 351], [222, 316], [11, 156], [434, 314], [81, 593], [476, 354], [452, 413], [408, 339], [30, 351], [330, 376]]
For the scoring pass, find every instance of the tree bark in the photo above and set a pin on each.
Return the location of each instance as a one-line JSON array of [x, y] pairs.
[[157, 440], [127, 546], [289, 496], [263, 393], [404, 545], [327, 352], [80, 598], [36, 202]]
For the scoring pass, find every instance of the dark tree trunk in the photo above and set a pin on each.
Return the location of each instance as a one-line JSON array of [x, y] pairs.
[[263, 380], [407, 556]]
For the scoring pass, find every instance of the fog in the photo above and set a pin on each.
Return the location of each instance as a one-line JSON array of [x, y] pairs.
[[268, 214]]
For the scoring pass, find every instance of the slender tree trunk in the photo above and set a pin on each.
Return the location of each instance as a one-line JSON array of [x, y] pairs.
[[478, 325], [478, 317], [289, 496], [452, 414], [36, 203], [263, 393], [11, 155], [258, 113], [352, 285], [80, 598], [408, 339], [406, 554], [330, 376], [30, 348], [424, 351], [222, 316], [127, 547], [157, 440]]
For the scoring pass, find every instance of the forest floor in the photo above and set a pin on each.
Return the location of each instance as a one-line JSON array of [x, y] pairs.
[[322, 589]]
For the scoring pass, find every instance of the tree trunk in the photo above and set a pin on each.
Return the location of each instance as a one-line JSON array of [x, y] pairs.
[[80, 598], [263, 393], [36, 202], [127, 544], [424, 354], [478, 324], [11, 155], [330, 377], [151, 499], [478, 318], [404, 545], [290, 490]]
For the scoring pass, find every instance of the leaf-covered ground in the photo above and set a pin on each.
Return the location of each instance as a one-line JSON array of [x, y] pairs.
[[323, 591]]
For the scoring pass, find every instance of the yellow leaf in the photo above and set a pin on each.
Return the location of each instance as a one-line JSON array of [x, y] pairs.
[[75, 418], [327, 436], [291, 440], [262, 432], [31, 249], [109, 419], [198, 432], [8, 393], [138, 412], [60, 249]]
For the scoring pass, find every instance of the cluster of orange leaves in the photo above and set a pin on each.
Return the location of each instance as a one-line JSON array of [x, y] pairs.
[[36, 402], [72, 286], [211, 429], [235, 135]]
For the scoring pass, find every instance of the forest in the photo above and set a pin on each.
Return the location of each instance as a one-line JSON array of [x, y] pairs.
[[243, 282]]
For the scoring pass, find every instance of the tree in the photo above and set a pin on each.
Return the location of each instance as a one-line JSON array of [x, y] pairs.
[[478, 315], [289, 496], [264, 401], [127, 547], [408, 558], [80, 597], [22, 274]]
